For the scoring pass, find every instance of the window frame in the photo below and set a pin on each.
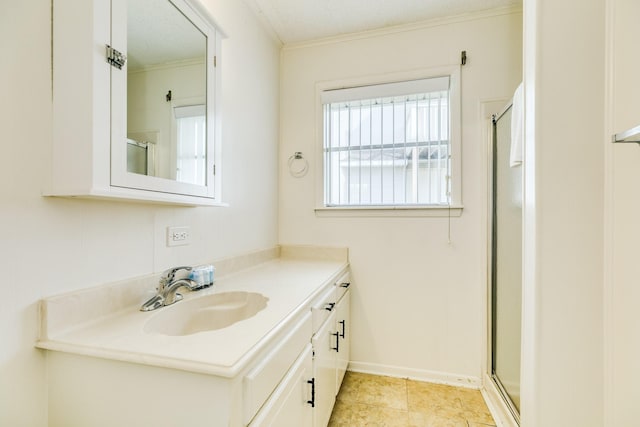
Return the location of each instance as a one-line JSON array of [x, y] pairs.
[[180, 105], [454, 208]]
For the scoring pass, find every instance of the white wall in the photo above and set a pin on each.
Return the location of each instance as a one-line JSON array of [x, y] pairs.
[[419, 303], [562, 383], [622, 290], [53, 245]]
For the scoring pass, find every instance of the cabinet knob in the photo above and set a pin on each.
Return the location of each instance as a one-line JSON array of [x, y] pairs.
[[329, 306], [345, 284]]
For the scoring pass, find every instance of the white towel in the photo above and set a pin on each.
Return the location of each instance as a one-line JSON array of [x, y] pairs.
[[517, 127]]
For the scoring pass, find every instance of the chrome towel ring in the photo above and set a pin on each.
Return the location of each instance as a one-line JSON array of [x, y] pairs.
[[298, 165]]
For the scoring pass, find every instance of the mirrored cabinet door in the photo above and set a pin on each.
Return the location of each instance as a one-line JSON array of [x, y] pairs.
[[163, 98]]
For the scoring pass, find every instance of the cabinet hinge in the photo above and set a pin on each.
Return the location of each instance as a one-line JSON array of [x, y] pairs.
[[214, 169], [215, 61], [116, 58]]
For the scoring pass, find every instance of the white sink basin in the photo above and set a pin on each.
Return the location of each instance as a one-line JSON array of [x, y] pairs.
[[207, 313]]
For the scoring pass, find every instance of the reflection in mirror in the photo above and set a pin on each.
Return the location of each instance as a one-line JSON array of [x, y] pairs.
[[138, 160], [190, 125], [166, 93]]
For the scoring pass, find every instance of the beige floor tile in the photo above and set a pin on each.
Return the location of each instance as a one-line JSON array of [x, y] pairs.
[[480, 417], [354, 414], [350, 385], [471, 398], [382, 391], [474, 407], [428, 397], [421, 419], [377, 401]]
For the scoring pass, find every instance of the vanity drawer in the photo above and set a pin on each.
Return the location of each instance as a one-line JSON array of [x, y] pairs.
[[342, 284], [267, 374]]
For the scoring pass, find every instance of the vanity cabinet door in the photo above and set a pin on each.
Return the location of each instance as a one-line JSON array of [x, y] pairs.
[[290, 403], [343, 328], [261, 381], [324, 371]]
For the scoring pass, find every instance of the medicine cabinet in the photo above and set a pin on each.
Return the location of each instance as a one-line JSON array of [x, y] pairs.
[[135, 101]]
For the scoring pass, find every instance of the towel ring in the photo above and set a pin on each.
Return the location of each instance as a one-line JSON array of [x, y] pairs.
[[300, 171]]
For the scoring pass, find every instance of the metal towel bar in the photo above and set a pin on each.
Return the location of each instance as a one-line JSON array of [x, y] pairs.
[[631, 135]]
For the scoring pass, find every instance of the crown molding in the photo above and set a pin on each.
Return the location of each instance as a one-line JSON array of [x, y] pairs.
[[380, 32]]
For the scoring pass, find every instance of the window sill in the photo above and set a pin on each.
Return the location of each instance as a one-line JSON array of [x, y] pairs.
[[390, 211]]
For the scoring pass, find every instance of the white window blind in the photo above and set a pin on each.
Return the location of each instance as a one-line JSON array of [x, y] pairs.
[[191, 144], [388, 144]]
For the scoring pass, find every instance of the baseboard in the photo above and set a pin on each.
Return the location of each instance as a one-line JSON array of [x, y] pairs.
[[416, 374], [498, 408]]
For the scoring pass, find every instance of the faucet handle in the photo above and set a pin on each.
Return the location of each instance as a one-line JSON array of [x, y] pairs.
[[168, 275]]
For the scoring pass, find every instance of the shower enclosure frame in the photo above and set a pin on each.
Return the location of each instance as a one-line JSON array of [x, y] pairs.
[[492, 383]]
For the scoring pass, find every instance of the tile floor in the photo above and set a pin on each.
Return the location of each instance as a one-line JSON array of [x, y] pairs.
[[376, 401]]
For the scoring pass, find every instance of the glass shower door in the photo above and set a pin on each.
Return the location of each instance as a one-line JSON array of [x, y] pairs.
[[506, 266]]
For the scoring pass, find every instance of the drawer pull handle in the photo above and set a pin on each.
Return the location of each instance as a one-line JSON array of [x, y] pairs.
[[329, 306], [342, 322], [345, 284], [312, 402], [337, 347]]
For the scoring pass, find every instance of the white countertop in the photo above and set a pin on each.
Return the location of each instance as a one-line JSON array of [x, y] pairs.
[[289, 283]]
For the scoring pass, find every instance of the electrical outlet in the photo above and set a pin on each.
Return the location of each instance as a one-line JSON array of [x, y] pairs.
[[178, 236]]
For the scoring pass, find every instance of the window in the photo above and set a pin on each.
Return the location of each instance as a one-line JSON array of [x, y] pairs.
[[393, 144], [191, 143]]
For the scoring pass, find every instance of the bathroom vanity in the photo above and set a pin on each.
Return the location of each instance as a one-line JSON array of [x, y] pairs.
[[278, 364]]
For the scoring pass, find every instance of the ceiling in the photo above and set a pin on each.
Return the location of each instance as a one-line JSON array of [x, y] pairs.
[[158, 32], [301, 20]]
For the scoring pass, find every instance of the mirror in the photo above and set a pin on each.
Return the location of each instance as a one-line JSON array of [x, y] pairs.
[[166, 93]]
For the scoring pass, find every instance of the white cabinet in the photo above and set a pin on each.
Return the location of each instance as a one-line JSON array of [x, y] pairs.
[[273, 390], [343, 329], [290, 405], [94, 152], [331, 346], [324, 371], [262, 379], [291, 381]]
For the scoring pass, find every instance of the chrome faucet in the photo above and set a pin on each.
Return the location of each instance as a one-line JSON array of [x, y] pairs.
[[167, 289]]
